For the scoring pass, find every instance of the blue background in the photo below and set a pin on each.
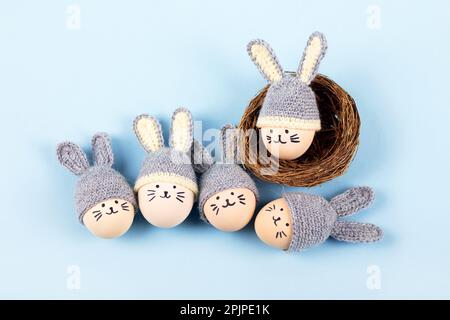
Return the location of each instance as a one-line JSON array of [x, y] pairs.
[[131, 57]]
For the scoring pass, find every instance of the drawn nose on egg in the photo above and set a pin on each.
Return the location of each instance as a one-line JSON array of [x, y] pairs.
[[111, 211], [275, 220], [287, 144], [165, 205]]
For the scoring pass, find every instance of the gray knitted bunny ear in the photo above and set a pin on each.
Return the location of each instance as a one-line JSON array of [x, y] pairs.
[[149, 133], [356, 232], [229, 137], [313, 54], [102, 149], [200, 157], [181, 134], [352, 201], [265, 59], [72, 157]]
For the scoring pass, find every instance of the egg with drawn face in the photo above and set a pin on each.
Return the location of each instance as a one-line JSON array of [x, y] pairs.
[[273, 224], [110, 218], [231, 209], [165, 205], [287, 144]]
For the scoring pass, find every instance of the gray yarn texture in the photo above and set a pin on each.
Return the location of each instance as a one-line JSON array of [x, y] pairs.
[[218, 177], [321, 55], [290, 98], [168, 160], [99, 182], [314, 219]]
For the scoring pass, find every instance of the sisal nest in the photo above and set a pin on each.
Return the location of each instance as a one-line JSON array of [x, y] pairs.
[[333, 147]]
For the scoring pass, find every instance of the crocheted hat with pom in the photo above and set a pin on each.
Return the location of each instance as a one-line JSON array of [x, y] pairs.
[[290, 102]]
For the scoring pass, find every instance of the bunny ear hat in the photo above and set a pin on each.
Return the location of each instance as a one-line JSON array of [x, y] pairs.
[[290, 102], [166, 164], [218, 177], [99, 182], [315, 219]]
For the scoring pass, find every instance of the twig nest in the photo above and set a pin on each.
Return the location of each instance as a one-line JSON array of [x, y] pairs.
[[330, 153]]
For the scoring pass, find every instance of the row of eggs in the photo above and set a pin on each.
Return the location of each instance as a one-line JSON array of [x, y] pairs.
[[167, 205]]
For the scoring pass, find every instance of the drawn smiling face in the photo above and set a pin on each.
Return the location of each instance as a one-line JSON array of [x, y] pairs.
[[287, 144], [165, 205], [273, 224], [110, 218], [230, 210]]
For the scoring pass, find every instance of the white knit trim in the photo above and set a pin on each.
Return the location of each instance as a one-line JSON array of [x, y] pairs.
[[166, 177], [287, 122], [263, 56], [313, 52], [148, 131], [181, 134]]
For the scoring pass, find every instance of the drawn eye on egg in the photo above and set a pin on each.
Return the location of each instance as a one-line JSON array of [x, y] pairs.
[[282, 137], [165, 193], [277, 221], [227, 200], [115, 206]]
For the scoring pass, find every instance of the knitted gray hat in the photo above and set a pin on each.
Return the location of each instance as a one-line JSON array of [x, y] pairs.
[[218, 177], [315, 219], [99, 182], [290, 101], [164, 164]]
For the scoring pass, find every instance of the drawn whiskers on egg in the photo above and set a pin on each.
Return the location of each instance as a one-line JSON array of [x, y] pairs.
[[125, 206], [295, 138], [180, 196], [215, 208], [97, 214], [271, 208], [151, 194], [241, 199], [280, 234], [269, 139]]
